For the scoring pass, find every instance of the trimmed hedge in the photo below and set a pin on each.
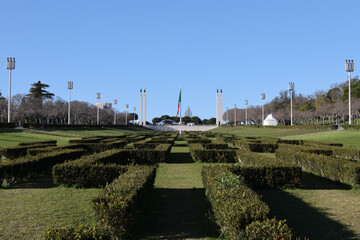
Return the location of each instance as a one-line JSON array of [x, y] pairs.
[[234, 204], [23, 167], [21, 151], [238, 210], [336, 169], [79, 232], [119, 204], [51, 142], [256, 145], [199, 153], [264, 172]]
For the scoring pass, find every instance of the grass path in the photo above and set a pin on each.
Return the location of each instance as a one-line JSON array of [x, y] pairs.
[[177, 207]]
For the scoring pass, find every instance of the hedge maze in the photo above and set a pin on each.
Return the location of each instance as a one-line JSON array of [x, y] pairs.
[[124, 167]]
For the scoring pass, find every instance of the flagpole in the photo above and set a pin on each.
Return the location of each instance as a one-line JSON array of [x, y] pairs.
[[180, 109]]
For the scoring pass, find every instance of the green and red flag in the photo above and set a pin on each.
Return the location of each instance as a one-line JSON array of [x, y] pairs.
[[179, 103]]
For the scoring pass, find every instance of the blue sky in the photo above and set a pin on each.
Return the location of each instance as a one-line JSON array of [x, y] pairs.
[[118, 47]]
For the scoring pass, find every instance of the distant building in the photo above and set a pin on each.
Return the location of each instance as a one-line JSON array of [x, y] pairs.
[[103, 105]]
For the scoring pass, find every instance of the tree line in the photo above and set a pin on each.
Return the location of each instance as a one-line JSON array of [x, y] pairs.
[[321, 107], [42, 107]]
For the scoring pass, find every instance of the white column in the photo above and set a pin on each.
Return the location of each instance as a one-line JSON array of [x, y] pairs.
[[9, 100], [350, 120], [217, 107], [221, 107], [140, 109]]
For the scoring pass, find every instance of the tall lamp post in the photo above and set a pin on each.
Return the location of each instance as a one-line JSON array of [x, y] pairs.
[[235, 114], [115, 102], [349, 67], [262, 114], [98, 96], [246, 103], [10, 65], [291, 90], [126, 106], [70, 86]]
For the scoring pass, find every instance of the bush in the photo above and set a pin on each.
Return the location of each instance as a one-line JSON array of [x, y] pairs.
[[270, 229], [119, 204], [86, 174], [199, 153], [336, 169], [256, 145], [24, 167], [234, 204], [52, 142], [78, 232], [264, 172], [21, 151]]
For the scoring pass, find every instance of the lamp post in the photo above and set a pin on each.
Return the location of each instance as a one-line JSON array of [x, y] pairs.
[[246, 103], [126, 106], [349, 67], [69, 86], [115, 102], [140, 109], [235, 114], [10, 65], [291, 90], [98, 96], [262, 113]]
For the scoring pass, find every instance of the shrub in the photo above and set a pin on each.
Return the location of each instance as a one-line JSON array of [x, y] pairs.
[[52, 142], [78, 232], [86, 174], [234, 204], [269, 229], [23, 167], [21, 151], [119, 204], [199, 153]]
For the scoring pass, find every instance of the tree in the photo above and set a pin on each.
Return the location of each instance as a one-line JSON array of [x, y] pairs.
[[156, 120], [38, 91], [196, 120], [355, 90], [186, 120], [164, 117]]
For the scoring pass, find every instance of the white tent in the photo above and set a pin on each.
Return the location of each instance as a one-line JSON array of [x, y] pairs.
[[270, 121]]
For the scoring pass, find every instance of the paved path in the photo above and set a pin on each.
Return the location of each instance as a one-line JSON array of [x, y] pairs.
[[177, 208]]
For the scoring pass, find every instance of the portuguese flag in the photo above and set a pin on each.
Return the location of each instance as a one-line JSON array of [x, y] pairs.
[[179, 103]]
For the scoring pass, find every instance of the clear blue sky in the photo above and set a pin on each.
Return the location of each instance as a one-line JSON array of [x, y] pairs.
[[118, 47]]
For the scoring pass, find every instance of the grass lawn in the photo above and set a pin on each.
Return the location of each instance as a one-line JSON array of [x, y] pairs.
[[241, 131], [27, 210], [177, 208], [350, 138], [12, 137]]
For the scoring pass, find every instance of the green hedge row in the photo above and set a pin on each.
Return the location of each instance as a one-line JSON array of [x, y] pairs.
[[21, 168], [236, 206], [119, 204], [197, 140], [51, 142], [7, 125], [199, 153], [21, 151], [336, 169], [264, 172], [80, 232], [99, 147], [256, 145]]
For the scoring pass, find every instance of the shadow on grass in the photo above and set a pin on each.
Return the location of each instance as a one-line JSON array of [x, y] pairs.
[[181, 157], [176, 214], [311, 181]]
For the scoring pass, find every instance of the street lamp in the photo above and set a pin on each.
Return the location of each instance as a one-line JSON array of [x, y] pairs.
[[291, 90], [10, 65], [349, 67], [70, 86], [98, 96], [115, 102], [246, 103], [235, 114], [126, 106], [262, 114]]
